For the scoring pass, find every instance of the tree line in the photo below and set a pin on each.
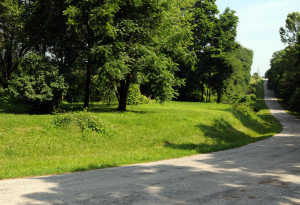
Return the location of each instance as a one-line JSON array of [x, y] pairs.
[[284, 74], [105, 50]]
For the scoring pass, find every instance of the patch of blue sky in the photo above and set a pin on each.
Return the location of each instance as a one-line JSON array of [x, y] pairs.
[[259, 23]]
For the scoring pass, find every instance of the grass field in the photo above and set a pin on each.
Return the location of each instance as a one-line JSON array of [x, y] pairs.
[[32, 145]]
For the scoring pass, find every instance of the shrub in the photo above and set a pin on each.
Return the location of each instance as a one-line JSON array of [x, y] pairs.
[[6, 97], [294, 101], [135, 97], [38, 82], [247, 101], [83, 120]]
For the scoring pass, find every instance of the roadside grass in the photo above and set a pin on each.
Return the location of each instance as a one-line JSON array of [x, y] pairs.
[[34, 145]]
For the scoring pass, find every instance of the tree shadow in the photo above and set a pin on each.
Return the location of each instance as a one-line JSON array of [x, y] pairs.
[[97, 108], [63, 108], [253, 124], [223, 135], [16, 109]]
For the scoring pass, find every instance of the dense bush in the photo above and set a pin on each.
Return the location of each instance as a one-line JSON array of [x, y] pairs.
[[6, 97], [38, 82], [135, 97], [294, 102]]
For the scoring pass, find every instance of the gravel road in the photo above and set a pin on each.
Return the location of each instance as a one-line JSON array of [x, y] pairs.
[[266, 172]]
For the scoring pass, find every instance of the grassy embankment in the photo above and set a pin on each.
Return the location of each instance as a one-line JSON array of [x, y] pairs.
[[32, 145]]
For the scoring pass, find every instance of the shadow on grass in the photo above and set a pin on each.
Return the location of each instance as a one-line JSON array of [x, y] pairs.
[[74, 107], [265, 122], [221, 136], [97, 108], [253, 124], [93, 167], [16, 109]]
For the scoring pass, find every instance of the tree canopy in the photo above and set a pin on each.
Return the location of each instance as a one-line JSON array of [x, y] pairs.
[[291, 33], [103, 50]]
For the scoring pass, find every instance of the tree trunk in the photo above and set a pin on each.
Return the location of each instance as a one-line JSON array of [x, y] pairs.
[[123, 90], [202, 92], [90, 63], [88, 84], [219, 94], [6, 64]]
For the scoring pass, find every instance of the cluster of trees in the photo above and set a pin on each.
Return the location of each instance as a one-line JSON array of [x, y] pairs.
[[284, 74], [100, 50]]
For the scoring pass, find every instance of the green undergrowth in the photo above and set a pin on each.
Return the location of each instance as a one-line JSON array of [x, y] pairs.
[[33, 145]]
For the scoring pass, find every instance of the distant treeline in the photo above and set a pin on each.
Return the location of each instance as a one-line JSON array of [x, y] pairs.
[[124, 51], [284, 75]]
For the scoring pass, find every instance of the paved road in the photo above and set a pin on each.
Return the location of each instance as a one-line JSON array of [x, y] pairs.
[[267, 172]]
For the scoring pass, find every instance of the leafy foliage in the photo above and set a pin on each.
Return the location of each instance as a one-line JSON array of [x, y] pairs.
[[220, 61], [13, 41], [284, 75], [291, 34], [238, 84], [38, 82], [135, 97], [170, 49]]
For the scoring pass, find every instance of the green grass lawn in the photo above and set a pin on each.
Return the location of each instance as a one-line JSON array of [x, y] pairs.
[[32, 145]]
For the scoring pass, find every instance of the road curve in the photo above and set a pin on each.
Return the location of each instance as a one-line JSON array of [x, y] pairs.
[[266, 172]]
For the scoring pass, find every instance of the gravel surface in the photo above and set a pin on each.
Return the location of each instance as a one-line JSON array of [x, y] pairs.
[[266, 172]]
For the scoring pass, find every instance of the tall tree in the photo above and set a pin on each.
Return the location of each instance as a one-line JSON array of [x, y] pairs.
[[13, 43], [214, 37], [284, 74], [148, 41], [92, 22], [225, 42], [49, 34], [237, 84], [205, 26]]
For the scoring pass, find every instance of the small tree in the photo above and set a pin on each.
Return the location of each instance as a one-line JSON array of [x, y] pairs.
[[38, 82]]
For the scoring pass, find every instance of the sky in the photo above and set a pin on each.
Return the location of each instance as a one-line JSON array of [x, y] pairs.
[[259, 24]]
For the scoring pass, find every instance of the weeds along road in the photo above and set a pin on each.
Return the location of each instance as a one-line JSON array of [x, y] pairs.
[[266, 172]]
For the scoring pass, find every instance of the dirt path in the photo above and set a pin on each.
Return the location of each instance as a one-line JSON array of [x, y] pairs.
[[266, 172]]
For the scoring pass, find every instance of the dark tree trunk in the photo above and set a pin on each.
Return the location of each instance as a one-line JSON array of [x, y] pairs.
[[90, 63], [202, 92], [219, 95], [88, 84], [123, 90], [6, 65], [4, 80], [4, 84]]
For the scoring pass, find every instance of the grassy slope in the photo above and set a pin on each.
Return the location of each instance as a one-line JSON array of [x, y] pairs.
[[29, 146]]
